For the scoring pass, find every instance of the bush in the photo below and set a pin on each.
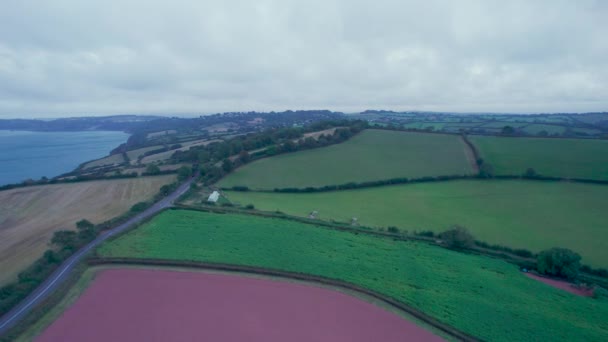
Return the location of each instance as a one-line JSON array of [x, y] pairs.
[[457, 237], [249, 206], [139, 207], [65, 239], [152, 169], [600, 292], [519, 252], [393, 230], [486, 170], [426, 233], [184, 172], [530, 173], [559, 262], [600, 272], [523, 253], [482, 244], [84, 225]]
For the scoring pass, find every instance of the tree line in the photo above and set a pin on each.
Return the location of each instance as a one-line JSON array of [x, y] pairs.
[[220, 158], [556, 262]]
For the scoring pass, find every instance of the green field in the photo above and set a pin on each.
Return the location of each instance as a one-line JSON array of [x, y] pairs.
[[109, 160], [589, 131], [134, 154], [519, 214], [550, 129], [370, 155], [423, 125], [481, 296], [570, 158], [501, 124]]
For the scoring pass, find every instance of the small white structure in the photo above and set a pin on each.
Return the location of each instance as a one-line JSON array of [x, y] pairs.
[[214, 197]]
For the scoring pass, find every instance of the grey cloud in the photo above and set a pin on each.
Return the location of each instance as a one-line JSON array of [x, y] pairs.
[[70, 57]]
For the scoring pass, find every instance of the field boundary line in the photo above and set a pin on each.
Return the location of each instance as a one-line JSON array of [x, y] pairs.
[[503, 255], [407, 181], [518, 260], [472, 152], [449, 330]]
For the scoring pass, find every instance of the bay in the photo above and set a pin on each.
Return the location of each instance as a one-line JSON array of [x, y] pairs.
[[25, 155]]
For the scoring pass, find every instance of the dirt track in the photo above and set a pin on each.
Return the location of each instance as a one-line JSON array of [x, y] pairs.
[[30, 215], [471, 153], [146, 305], [562, 285]]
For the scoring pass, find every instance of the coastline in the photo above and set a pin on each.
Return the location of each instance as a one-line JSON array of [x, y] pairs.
[[31, 155]]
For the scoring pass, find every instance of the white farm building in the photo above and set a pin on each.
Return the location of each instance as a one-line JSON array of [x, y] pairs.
[[214, 197]]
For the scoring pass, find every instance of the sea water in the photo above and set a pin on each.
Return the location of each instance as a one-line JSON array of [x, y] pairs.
[[25, 155]]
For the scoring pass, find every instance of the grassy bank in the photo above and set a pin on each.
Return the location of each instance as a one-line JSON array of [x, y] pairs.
[[371, 155], [482, 296], [520, 214]]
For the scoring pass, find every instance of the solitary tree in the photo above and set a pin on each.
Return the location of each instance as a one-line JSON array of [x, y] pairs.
[[227, 165], [244, 157], [84, 224], [65, 239], [507, 130], [139, 207], [457, 237], [152, 169], [165, 189], [486, 170], [530, 173], [86, 230], [559, 262], [203, 156], [184, 172]]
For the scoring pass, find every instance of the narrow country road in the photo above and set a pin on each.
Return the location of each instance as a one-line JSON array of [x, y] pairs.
[[61, 273]]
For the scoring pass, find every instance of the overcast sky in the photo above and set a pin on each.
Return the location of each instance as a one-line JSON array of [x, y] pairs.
[[75, 57]]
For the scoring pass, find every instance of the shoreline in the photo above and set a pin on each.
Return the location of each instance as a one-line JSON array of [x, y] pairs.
[[51, 154]]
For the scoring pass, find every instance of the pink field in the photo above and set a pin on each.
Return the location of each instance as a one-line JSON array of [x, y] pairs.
[[157, 305], [563, 285]]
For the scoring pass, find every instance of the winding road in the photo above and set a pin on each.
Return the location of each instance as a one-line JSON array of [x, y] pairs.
[[61, 273]]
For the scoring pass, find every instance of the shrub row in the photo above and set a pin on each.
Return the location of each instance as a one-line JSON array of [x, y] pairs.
[[395, 181], [65, 243], [354, 185], [524, 253], [164, 172], [516, 251], [599, 272]]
